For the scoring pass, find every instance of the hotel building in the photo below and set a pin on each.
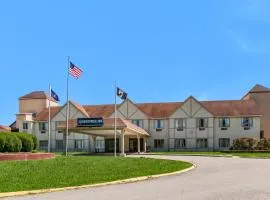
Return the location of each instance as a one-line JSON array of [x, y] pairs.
[[167, 126]]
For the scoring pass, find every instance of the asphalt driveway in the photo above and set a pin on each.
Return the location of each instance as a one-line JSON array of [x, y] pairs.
[[213, 178]]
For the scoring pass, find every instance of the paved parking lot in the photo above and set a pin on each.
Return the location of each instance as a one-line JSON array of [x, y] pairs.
[[213, 178]]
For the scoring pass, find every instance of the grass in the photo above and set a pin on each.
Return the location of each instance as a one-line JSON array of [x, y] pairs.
[[79, 170], [218, 153]]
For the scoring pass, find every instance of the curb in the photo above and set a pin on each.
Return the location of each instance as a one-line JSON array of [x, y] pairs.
[[130, 180], [203, 155]]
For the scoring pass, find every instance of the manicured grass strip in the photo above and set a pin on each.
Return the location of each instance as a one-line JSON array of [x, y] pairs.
[[217, 153], [79, 170]]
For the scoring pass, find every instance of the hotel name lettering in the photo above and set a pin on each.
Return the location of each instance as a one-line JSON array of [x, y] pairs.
[[90, 122]]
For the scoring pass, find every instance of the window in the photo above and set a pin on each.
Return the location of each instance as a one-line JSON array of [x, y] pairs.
[[202, 123], [59, 144], [138, 122], [25, 126], [43, 127], [179, 143], [224, 123], [247, 122], [56, 126], [78, 144], [201, 143], [179, 124], [224, 142], [159, 143], [159, 124], [43, 144]]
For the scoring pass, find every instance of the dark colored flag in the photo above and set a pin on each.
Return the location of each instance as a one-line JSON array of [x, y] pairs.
[[54, 95], [120, 93]]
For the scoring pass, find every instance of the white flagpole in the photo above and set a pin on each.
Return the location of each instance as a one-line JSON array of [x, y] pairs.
[[67, 110], [115, 118], [49, 121]]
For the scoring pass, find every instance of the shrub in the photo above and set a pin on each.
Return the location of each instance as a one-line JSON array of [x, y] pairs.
[[35, 140], [12, 144], [244, 144], [2, 141], [27, 141], [263, 144]]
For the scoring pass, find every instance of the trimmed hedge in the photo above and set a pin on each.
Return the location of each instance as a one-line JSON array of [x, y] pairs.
[[17, 142], [12, 143], [27, 142], [36, 142], [2, 141], [250, 144]]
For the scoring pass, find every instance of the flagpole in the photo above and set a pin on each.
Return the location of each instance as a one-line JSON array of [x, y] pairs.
[[49, 121], [115, 118], [67, 109]]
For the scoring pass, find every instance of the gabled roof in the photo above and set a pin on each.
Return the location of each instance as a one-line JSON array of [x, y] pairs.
[[232, 107], [259, 88], [80, 108], [158, 110], [4, 128], [164, 110], [44, 114], [36, 95]]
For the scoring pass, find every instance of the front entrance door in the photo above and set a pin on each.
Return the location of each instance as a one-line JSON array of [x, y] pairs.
[[109, 145], [133, 144]]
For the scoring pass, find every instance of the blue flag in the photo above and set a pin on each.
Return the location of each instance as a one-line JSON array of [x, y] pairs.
[[54, 95]]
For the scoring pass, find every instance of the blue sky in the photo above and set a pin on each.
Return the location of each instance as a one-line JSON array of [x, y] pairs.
[[155, 50]]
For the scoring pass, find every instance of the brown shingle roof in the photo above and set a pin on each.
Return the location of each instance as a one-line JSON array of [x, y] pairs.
[[164, 110], [259, 88], [4, 128], [158, 110], [36, 95], [99, 110], [43, 115], [232, 107]]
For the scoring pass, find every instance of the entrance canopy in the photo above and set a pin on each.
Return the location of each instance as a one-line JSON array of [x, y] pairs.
[[107, 129]]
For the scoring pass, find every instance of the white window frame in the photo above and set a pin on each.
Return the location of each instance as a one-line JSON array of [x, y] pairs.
[[205, 123], [202, 143], [179, 143], [159, 122], [43, 127], [182, 123], [79, 144], [227, 142], [247, 125], [25, 126], [159, 143], [227, 123]]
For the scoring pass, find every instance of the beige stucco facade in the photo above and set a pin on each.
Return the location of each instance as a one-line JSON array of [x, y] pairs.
[[165, 137]]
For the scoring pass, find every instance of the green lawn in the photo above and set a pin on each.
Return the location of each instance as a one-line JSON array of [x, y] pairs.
[[79, 170], [218, 153]]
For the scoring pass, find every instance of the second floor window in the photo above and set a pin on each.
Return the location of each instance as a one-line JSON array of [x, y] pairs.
[[224, 122], [179, 123], [202, 123], [25, 125], [42, 126], [159, 124], [138, 122], [247, 122]]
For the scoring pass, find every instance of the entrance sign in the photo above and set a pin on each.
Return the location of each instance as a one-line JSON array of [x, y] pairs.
[[90, 122]]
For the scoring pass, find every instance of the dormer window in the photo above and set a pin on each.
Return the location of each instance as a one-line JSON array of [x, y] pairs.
[[247, 122]]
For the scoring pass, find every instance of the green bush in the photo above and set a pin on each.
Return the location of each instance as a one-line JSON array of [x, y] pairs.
[[12, 144], [244, 144], [35, 140], [27, 141], [2, 141]]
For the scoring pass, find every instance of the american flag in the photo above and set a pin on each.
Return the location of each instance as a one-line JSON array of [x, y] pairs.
[[74, 70]]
